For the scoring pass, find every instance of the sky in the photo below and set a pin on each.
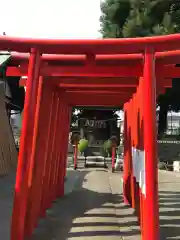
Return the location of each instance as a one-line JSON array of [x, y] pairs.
[[50, 19], [66, 19]]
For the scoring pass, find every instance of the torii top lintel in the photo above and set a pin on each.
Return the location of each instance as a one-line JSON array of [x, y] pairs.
[[92, 46]]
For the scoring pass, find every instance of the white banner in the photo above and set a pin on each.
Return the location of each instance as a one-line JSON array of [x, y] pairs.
[[138, 160]]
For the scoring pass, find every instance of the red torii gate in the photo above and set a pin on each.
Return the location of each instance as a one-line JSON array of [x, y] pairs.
[[123, 73]]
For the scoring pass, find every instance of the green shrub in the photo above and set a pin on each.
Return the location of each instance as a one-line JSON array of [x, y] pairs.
[[107, 144], [104, 152], [83, 144], [106, 149]]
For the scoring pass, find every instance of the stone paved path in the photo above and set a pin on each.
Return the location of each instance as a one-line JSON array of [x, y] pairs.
[[6, 201], [169, 201], [93, 208]]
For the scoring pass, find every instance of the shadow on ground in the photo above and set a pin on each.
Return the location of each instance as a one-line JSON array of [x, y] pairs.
[[85, 213], [169, 203], [88, 212]]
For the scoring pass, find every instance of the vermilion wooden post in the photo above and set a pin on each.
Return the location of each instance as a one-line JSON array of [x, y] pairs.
[[150, 142], [141, 146], [33, 169], [64, 122], [138, 148], [63, 150], [69, 113], [59, 148], [56, 128], [130, 128], [21, 186], [113, 157], [50, 100], [131, 116], [42, 130], [45, 125], [127, 156], [40, 148], [75, 155], [66, 137], [125, 174], [134, 136], [48, 162], [51, 155]]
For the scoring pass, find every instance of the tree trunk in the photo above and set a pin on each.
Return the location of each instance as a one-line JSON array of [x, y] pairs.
[[162, 123], [8, 152]]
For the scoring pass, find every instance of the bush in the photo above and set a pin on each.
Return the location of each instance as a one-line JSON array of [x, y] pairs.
[[83, 145], [107, 146]]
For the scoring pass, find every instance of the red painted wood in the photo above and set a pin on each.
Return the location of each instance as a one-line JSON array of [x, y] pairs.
[[22, 176], [80, 71], [96, 46], [168, 57]]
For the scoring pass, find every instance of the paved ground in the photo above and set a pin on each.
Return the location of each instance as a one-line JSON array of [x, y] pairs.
[[169, 201], [93, 208], [6, 200]]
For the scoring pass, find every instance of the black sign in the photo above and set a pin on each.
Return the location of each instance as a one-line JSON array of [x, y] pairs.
[[95, 123]]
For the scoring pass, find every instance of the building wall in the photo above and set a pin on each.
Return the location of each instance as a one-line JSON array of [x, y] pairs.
[[96, 131], [16, 123], [173, 125]]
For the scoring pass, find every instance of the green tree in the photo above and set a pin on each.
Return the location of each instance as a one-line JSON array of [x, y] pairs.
[[140, 18], [113, 18]]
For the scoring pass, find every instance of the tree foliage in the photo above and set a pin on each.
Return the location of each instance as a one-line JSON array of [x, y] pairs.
[[114, 15], [140, 18]]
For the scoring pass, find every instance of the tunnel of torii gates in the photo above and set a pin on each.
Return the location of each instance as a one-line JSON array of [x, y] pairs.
[[128, 73]]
